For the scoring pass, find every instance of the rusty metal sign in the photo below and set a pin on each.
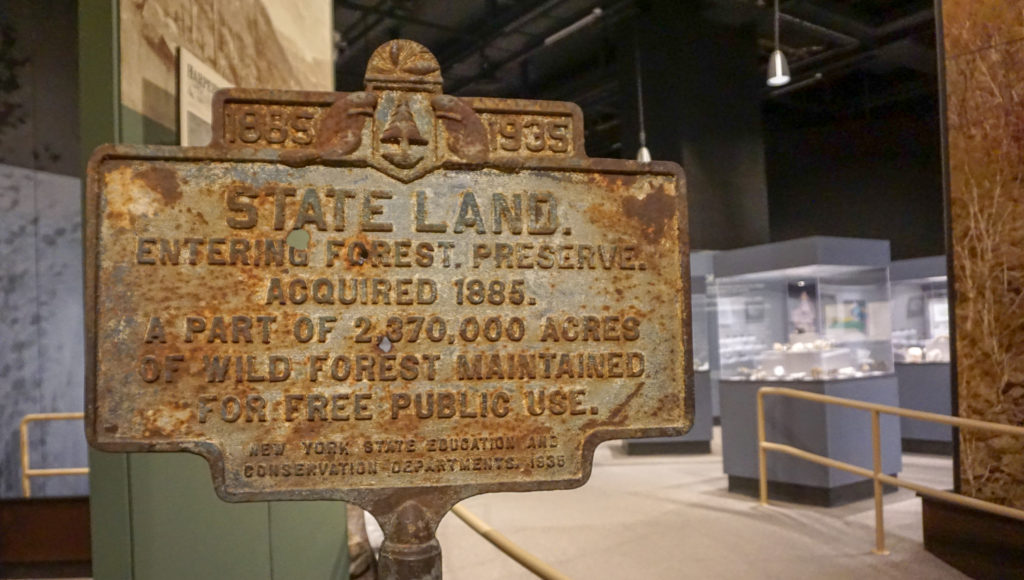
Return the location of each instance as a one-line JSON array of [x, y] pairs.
[[383, 295]]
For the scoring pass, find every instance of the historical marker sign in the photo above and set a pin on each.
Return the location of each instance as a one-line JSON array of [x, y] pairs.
[[366, 296]]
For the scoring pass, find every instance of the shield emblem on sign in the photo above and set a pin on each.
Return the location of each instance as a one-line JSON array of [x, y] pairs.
[[405, 132], [404, 135]]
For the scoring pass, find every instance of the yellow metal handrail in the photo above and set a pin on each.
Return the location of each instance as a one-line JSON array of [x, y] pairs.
[[875, 473], [526, 559], [512, 550], [26, 471]]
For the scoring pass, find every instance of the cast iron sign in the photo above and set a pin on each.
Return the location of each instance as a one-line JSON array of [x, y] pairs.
[[394, 297]]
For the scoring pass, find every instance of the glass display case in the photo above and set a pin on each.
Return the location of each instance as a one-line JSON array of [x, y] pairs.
[[698, 439], [705, 359], [920, 320], [920, 345], [701, 268], [811, 314], [699, 305], [804, 323]]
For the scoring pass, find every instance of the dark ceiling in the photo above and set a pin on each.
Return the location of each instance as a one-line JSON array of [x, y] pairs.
[[849, 58]]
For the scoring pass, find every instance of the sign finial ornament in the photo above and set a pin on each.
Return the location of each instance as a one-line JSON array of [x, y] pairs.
[[402, 124], [403, 65]]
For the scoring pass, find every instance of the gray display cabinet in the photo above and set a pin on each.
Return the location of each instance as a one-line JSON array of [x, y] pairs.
[[810, 314], [705, 330], [920, 342], [698, 439]]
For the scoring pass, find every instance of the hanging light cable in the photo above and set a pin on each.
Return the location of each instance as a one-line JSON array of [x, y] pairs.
[[643, 154], [778, 68]]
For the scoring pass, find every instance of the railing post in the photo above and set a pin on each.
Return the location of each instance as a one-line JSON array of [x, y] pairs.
[[762, 469], [26, 484], [876, 452], [876, 449], [26, 455]]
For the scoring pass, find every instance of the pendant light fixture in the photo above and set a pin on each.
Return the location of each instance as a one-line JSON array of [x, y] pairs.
[[778, 68], [643, 154]]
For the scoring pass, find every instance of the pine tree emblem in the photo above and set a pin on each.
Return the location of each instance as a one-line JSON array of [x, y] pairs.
[[401, 130]]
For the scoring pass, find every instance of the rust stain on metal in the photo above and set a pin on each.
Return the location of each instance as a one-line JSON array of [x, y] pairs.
[[653, 212], [163, 181], [467, 136], [393, 297], [344, 122]]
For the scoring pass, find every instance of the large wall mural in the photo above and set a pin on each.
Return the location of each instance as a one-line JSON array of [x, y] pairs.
[[252, 43], [984, 42]]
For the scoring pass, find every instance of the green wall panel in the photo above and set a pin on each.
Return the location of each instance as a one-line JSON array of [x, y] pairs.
[[156, 516], [110, 515], [308, 539], [110, 510], [183, 530]]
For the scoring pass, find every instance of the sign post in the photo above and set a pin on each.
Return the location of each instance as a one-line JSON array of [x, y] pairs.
[[394, 297]]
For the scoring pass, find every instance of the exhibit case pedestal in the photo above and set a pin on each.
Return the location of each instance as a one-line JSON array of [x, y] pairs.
[[840, 433], [698, 439], [925, 387], [920, 322], [810, 314]]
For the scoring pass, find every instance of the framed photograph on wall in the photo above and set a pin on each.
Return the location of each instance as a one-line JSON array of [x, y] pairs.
[[754, 311], [853, 315], [915, 306]]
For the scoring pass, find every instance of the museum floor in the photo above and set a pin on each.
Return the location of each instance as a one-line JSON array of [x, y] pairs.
[[666, 517], [669, 517]]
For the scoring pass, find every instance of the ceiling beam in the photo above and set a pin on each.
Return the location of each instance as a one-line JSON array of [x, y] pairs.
[[398, 15], [876, 46], [610, 14], [493, 25]]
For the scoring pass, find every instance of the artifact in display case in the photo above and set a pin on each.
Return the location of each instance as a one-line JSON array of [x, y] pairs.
[[699, 305], [705, 338], [920, 344], [701, 358], [920, 319], [804, 323]]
